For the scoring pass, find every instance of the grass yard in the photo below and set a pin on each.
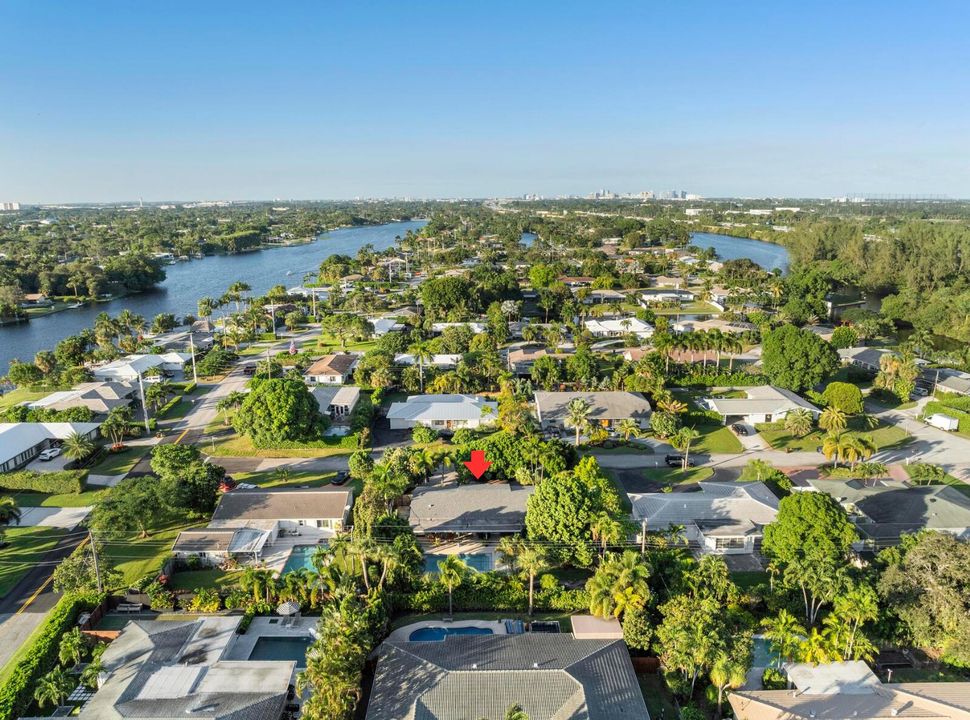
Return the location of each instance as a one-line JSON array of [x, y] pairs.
[[676, 476], [136, 557], [883, 437], [291, 478], [697, 307], [120, 463], [660, 701], [948, 479], [930, 674], [15, 397], [330, 343], [214, 578], [66, 500], [27, 546], [747, 579], [235, 445], [716, 439], [178, 411]]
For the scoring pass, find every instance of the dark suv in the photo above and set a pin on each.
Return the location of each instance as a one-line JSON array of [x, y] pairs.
[[677, 461]]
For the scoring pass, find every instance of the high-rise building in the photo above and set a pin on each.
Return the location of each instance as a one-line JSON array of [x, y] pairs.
[[7, 206]]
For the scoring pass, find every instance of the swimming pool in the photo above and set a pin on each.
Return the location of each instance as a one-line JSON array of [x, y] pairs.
[[300, 558], [282, 648], [482, 562], [437, 634], [764, 656]]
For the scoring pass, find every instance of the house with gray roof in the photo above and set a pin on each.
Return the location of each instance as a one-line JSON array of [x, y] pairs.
[[725, 518], [851, 690], [607, 408], [882, 510], [442, 412], [157, 669], [481, 509], [465, 677], [22, 442], [761, 404]]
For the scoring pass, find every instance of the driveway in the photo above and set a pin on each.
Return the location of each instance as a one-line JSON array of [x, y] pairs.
[[929, 444], [46, 466], [65, 518]]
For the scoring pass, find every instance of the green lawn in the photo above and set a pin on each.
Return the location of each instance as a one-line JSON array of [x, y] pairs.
[[291, 478], [27, 545], [697, 307], [716, 439], [746, 579], [178, 411], [883, 436], [234, 445], [676, 476], [329, 343], [136, 557], [930, 674], [660, 702], [15, 397], [67, 500], [947, 480], [214, 578], [120, 463]]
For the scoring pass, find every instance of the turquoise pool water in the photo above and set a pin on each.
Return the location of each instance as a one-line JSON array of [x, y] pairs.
[[282, 648], [482, 562], [300, 558], [764, 656], [437, 634]]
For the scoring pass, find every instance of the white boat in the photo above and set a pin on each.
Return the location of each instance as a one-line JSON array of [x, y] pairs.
[[75, 305]]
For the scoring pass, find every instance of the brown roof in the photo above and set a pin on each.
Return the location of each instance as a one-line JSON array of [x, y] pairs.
[[284, 504], [339, 364]]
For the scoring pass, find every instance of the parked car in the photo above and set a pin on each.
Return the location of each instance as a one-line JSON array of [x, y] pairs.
[[919, 392], [342, 477], [676, 461], [739, 429], [249, 370], [49, 454], [227, 484]]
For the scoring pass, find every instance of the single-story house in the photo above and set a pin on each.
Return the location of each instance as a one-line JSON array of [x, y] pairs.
[[653, 297], [182, 340], [592, 297], [866, 358], [214, 545], [383, 325], [442, 412], [665, 281], [521, 359], [718, 517], [333, 369], [576, 281], [851, 690], [130, 368], [170, 669], [551, 675], [607, 408], [882, 510], [476, 327], [727, 326], [484, 509], [443, 360], [99, 397], [22, 442], [618, 327], [947, 380], [763, 404], [337, 401]]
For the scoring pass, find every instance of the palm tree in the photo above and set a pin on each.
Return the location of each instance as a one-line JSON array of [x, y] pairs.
[[532, 560], [53, 688], [816, 648], [606, 529], [515, 712], [422, 354], [577, 415], [90, 674], [206, 307], [728, 671], [628, 428], [785, 634], [682, 440], [835, 445], [833, 419], [9, 510], [73, 647], [259, 582], [451, 572], [798, 422], [77, 446], [859, 448], [620, 582]]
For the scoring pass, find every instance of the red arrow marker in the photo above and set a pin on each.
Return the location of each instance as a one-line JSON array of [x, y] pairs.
[[478, 464]]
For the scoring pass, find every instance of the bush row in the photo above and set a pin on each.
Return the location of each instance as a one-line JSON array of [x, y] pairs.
[[951, 408], [17, 693], [61, 482], [496, 591]]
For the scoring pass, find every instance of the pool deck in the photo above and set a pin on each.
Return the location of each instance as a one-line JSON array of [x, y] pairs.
[[404, 633], [242, 646]]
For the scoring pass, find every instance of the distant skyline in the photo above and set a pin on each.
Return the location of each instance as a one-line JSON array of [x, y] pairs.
[[111, 101]]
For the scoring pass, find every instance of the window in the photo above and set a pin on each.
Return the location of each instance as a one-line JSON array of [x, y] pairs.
[[729, 543]]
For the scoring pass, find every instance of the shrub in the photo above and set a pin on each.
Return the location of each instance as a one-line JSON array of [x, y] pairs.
[[17, 693], [206, 600], [774, 679], [61, 482], [423, 435]]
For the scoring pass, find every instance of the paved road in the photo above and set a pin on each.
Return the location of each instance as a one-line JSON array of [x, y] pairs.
[[929, 444]]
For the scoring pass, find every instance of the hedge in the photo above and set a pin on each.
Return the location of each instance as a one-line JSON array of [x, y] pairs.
[[17, 693], [951, 408], [61, 482]]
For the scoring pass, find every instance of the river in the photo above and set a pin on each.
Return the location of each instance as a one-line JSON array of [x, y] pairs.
[[767, 255], [186, 282]]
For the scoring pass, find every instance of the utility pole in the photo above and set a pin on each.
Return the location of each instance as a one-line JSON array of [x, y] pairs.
[[97, 567], [643, 536], [144, 406], [269, 366], [195, 377]]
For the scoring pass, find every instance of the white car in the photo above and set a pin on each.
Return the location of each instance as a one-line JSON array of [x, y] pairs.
[[49, 454]]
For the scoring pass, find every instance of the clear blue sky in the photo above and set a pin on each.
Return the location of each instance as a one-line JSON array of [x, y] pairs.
[[107, 101]]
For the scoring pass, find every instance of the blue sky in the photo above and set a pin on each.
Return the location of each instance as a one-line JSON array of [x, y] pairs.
[[105, 101]]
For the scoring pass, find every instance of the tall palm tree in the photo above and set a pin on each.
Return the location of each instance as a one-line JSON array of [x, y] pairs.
[[606, 529], [833, 419], [53, 688], [73, 647], [785, 634], [682, 440], [834, 446], [451, 572], [77, 446], [728, 671], [577, 416], [422, 354], [859, 448], [259, 582], [532, 560], [798, 422]]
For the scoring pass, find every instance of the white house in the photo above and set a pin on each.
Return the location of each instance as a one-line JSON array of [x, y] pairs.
[[442, 412], [130, 368], [99, 397], [717, 517], [22, 442], [618, 327], [332, 369], [476, 327], [654, 297], [442, 360], [763, 404], [383, 325], [337, 401]]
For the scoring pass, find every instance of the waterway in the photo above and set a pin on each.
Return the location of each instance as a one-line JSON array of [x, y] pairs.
[[767, 255], [186, 282]]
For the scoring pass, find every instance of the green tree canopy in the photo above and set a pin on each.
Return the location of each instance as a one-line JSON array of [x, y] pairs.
[[797, 359], [279, 411]]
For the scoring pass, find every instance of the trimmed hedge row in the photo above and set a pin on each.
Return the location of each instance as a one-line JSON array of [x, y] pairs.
[[951, 407], [17, 693], [61, 482]]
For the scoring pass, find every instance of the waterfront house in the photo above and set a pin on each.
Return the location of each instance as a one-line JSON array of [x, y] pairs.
[[132, 367], [618, 327], [99, 397]]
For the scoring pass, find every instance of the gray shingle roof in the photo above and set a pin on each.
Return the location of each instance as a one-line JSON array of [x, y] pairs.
[[490, 507], [283, 504], [713, 504], [554, 677], [607, 405]]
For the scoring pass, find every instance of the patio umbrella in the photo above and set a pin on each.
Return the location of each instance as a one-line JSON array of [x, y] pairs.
[[288, 608]]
